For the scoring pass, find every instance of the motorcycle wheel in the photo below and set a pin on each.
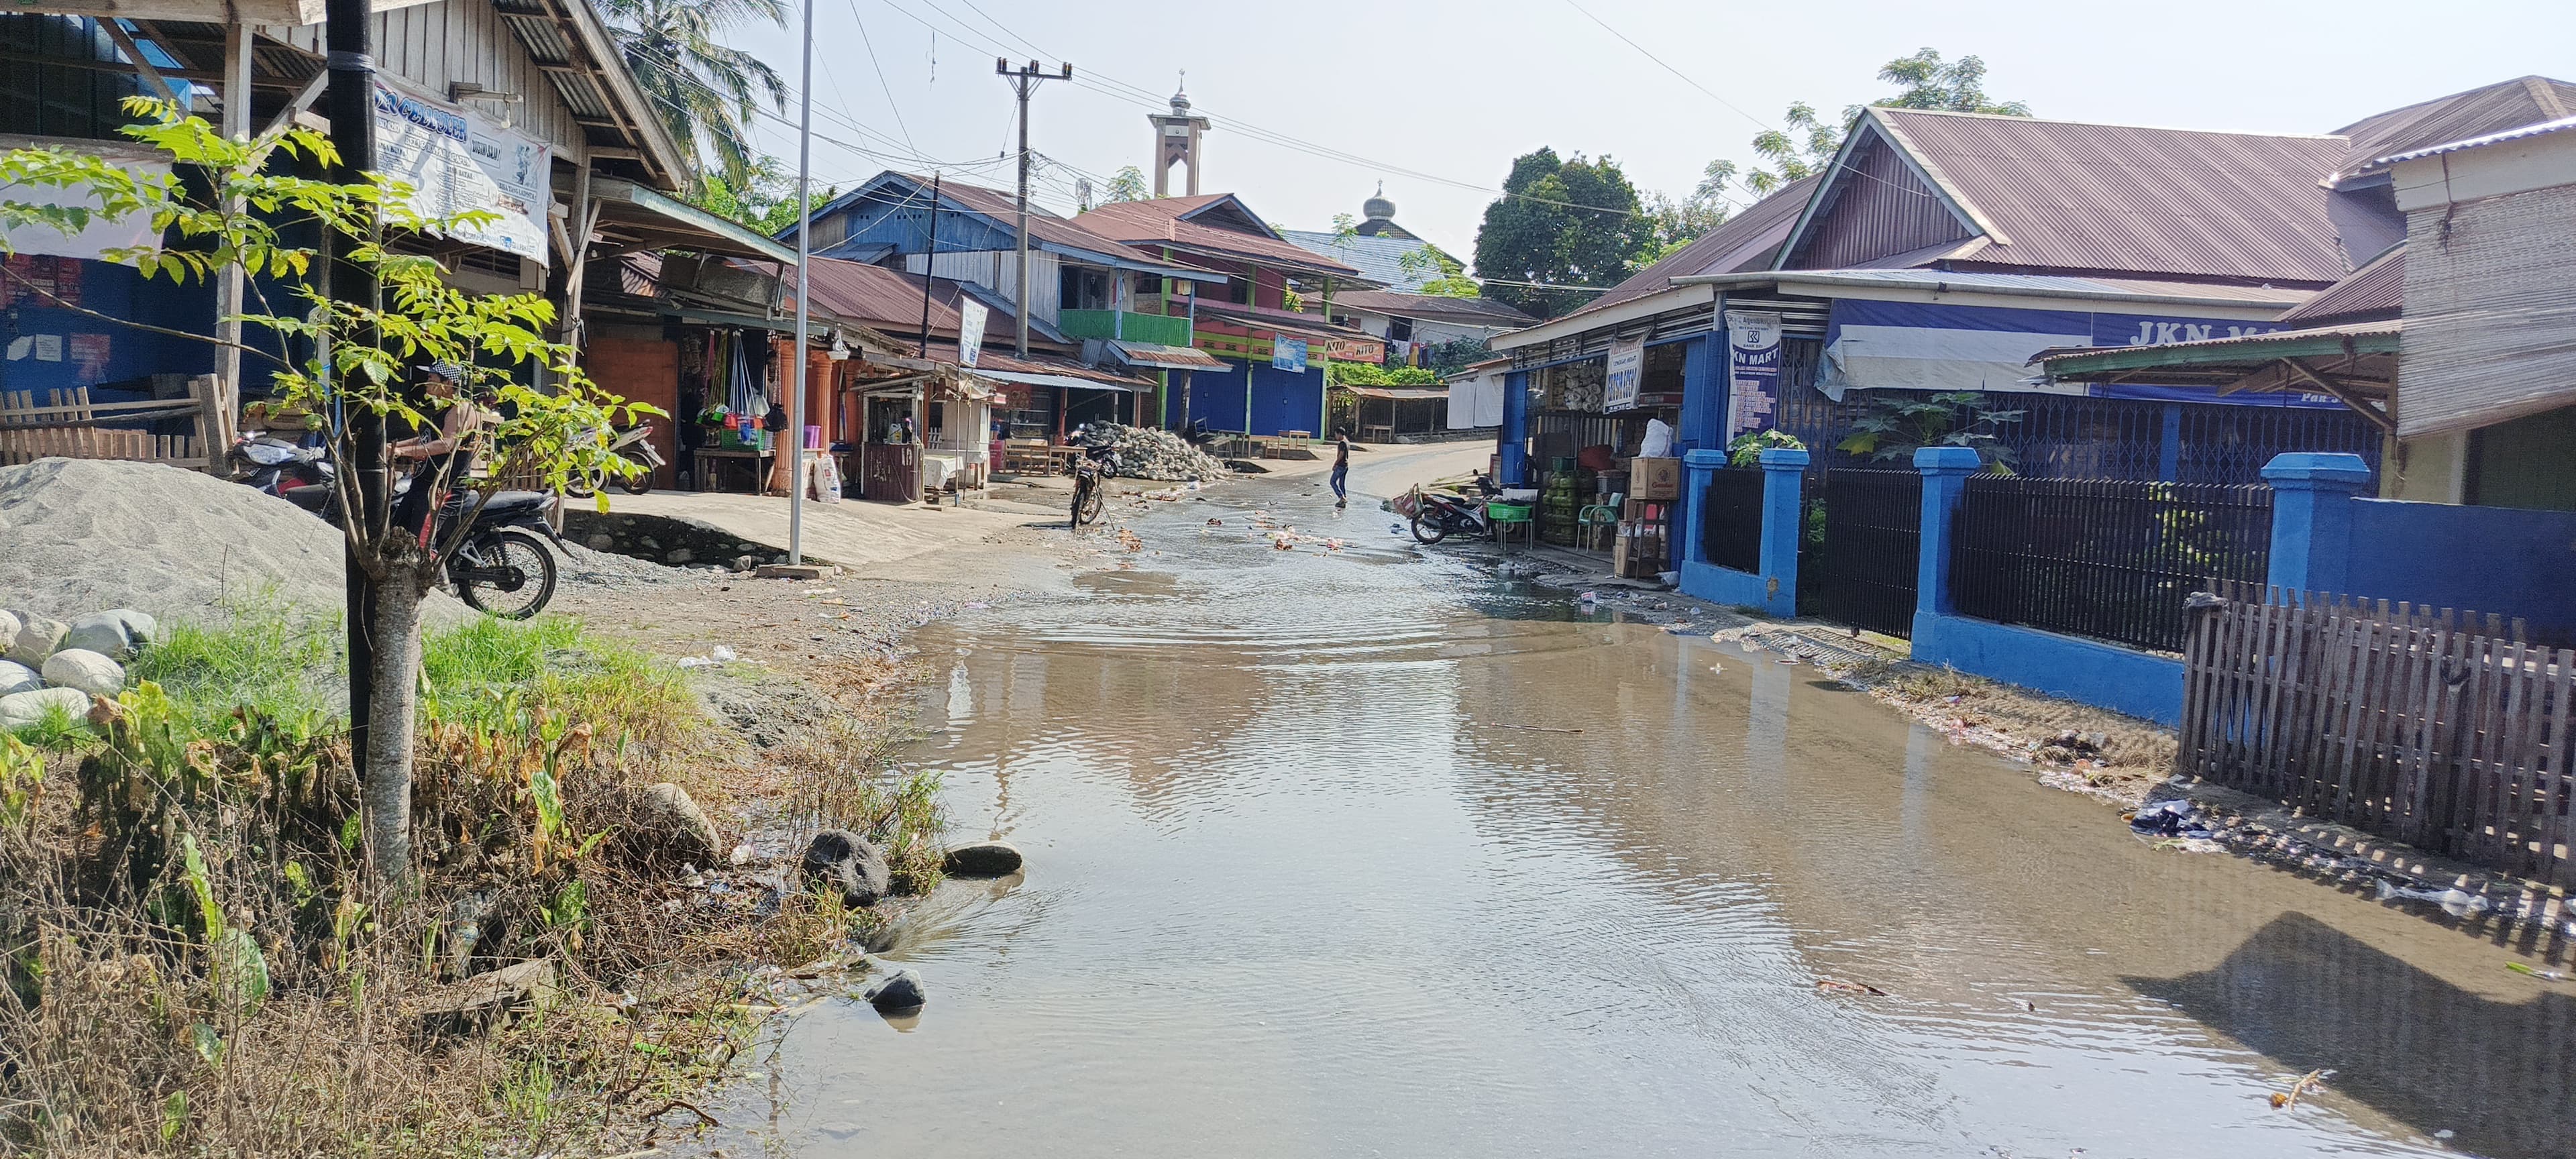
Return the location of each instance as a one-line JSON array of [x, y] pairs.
[[582, 485], [639, 483], [527, 580], [1090, 503], [1428, 527]]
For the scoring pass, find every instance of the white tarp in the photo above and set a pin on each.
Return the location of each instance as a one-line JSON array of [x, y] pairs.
[[94, 240], [455, 161], [1929, 358], [1476, 402]]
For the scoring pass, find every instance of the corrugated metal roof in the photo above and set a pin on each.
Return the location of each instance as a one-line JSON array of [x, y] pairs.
[[2478, 112], [1434, 307], [1378, 259], [2124, 198], [1167, 220], [1002, 209], [2543, 129], [1169, 357], [2378, 288], [2199, 293], [1743, 241]]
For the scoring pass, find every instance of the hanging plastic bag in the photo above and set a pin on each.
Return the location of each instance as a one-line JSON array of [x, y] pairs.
[[1658, 443]]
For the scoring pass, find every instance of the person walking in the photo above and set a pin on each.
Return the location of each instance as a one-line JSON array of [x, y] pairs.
[[1341, 467]]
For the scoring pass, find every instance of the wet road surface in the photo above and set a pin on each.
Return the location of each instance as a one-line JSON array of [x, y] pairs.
[[1320, 866]]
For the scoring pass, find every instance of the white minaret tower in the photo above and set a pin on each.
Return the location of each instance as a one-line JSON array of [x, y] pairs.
[[1176, 139]]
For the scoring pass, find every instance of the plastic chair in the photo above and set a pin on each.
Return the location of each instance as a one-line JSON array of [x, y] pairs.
[[1595, 519]]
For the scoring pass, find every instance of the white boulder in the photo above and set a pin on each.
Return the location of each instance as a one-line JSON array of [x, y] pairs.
[[25, 708], [117, 634], [88, 671], [16, 677]]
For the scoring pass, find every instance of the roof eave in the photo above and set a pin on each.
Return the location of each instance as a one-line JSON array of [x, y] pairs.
[[1678, 296], [1828, 278]]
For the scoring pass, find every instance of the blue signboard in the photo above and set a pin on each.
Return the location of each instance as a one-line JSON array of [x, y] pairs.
[[1288, 354]]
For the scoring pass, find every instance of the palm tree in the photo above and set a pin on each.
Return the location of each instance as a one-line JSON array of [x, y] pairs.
[[707, 93]]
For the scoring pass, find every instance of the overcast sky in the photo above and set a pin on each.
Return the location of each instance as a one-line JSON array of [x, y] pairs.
[[1435, 97]]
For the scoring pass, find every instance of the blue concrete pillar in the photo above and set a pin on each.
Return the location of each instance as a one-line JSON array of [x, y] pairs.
[[1784, 469], [1945, 476], [1698, 467], [2312, 498], [1703, 417], [2169, 450], [1515, 436]]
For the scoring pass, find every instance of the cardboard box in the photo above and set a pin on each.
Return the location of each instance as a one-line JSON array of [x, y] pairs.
[[1655, 479]]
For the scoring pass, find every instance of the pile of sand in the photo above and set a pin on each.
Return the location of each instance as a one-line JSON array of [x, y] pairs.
[[77, 535]]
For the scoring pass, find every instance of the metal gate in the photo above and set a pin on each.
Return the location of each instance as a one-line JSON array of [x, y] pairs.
[[1856, 555]]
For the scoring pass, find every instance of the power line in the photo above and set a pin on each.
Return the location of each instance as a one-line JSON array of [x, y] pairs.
[[882, 85]]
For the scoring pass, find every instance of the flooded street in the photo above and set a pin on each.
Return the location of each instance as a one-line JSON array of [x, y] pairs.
[[1369, 853]]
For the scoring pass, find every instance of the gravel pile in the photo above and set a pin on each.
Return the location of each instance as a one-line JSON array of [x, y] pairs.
[[77, 535], [614, 572], [1144, 453]]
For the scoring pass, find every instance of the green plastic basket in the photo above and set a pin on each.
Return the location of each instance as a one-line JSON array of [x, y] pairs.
[[1507, 512]]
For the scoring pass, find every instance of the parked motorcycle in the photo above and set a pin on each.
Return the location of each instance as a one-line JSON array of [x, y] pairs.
[[1440, 514], [1091, 475], [502, 569], [633, 444]]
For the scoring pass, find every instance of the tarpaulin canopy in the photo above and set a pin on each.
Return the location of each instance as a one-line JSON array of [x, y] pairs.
[[1403, 392], [1067, 381]]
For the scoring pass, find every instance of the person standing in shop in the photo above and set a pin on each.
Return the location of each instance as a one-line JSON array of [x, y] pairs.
[[1341, 467]]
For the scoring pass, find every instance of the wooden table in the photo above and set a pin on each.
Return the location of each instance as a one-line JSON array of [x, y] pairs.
[[703, 468]]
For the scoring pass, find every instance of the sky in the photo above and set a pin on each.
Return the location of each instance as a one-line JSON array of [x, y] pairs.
[[1435, 97]]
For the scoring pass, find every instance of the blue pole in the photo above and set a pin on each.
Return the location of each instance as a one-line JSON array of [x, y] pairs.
[[2312, 519], [1515, 437], [1784, 469], [1699, 469], [1945, 478]]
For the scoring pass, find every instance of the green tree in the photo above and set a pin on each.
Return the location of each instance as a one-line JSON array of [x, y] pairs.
[[1128, 184], [1805, 145], [706, 92], [1681, 221], [236, 213], [1801, 148], [764, 201], [1560, 223], [1433, 272]]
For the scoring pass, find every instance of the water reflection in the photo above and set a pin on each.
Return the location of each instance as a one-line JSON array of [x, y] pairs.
[[1321, 864]]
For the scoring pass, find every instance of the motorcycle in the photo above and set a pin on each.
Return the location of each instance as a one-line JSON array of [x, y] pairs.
[[1091, 475], [1439, 514], [633, 444], [271, 465], [502, 569]]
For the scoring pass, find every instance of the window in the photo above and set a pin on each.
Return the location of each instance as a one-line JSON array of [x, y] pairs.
[[1238, 291], [1400, 329]]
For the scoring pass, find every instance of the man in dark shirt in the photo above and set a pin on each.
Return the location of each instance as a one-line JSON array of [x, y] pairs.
[[1341, 466]]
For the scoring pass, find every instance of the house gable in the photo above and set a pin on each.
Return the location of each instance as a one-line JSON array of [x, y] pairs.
[[1875, 205], [1228, 213]]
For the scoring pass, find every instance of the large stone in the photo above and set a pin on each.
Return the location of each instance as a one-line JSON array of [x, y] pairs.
[[25, 708], [677, 828], [116, 634], [849, 864], [9, 625], [898, 993], [17, 677], [983, 859], [85, 670], [37, 637]]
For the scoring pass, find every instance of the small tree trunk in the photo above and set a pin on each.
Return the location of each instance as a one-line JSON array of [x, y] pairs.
[[385, 795]]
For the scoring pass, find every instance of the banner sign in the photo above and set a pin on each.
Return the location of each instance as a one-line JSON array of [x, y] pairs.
[[1288, 354], [1752, 368], [1354, 350], [456, 161], [1627, 371], [1938, 346], [970, 330]]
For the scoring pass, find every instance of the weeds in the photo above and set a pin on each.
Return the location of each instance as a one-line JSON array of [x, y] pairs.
[[191, 962]]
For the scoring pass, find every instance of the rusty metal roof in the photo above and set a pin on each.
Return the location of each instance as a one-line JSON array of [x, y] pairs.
[[2127, 199], [1186, 223], [2375, 291], [2478, 112], [1434, 307], [1744, 241]]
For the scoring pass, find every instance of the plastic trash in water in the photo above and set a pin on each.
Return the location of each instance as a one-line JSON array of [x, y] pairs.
[[2454, 901], [2174, 818], [1588, 598]]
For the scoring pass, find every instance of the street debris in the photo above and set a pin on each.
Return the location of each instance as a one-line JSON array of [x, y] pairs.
[[2308, 1084], [717, 655], [2533, 972], [2173, 818], [1157, 454], [1838, 986], [2455, 901]]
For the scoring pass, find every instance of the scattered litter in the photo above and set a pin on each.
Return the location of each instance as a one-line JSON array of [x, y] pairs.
[[1715, 668], [1838, 986], [2543, 975], [2308, 1083], [822, 591], [721, 654], [2454, 901], [743, 854], [1588, 598], [2174, 818], [975, 605]]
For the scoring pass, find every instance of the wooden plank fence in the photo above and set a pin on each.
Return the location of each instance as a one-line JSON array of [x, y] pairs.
[[67, 425], [2439, 728]]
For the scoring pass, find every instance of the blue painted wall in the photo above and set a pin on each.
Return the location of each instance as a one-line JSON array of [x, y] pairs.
[[2137, 683], [2503, 560], [1284, 401], [120, 292], [1216, 397]]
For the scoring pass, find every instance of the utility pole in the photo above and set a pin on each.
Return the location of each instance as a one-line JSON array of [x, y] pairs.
[[804, 311], [350, 100], [929, 271], [1024, 80]]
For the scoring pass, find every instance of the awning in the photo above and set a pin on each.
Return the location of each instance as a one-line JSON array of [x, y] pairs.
[[2355, 364], [640, 218], [1067, 381], [1166, 357], [1399, 392]]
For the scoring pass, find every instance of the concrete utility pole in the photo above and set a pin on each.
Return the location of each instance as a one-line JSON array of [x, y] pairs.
[[1024, 80], [804, 312], [349, 36]]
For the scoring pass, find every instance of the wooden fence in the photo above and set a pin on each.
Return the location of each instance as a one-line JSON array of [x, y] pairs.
[[67, 424], [2441, 729]]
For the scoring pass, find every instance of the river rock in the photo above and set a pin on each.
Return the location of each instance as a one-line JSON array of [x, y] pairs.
[[37, 637], [849, 863], [16, 677], [678, 829], [25, 708], [116, 634], [9, 625], [898, 993], [983, 859], [85, 670]]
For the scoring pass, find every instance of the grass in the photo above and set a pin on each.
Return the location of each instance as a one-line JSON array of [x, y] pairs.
[[205, 836]]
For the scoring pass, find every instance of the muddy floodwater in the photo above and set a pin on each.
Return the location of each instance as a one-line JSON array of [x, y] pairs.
[[1371, 854]]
